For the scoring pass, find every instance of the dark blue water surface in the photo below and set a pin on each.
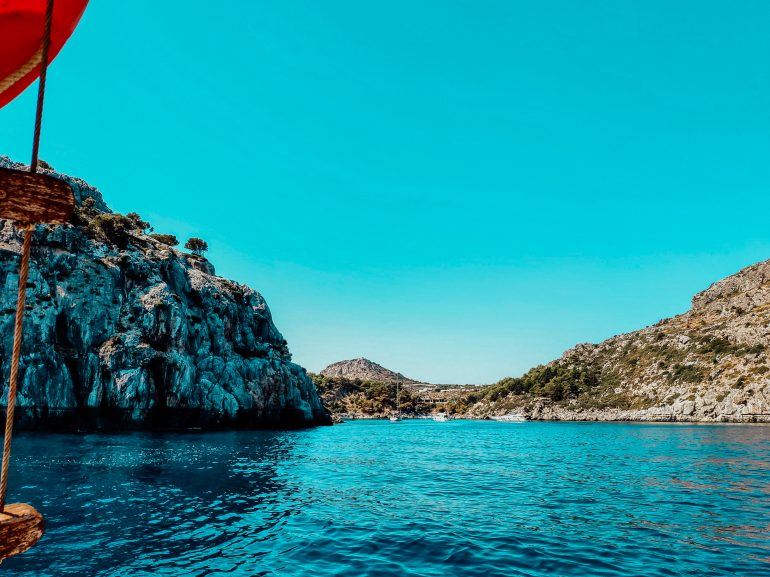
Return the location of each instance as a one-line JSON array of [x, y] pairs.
[[409, 498]]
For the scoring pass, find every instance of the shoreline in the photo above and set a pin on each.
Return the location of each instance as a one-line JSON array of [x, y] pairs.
[[742, 420]]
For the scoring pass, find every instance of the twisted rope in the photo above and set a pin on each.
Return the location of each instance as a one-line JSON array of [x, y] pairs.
[[17, 338], [21, 297], [41, 85], [22, 71]]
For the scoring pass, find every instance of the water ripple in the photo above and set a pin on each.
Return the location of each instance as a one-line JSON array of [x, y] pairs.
[[414, 498]]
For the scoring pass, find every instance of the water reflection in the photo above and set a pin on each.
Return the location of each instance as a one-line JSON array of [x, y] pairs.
[[148, 499], [417, 498]]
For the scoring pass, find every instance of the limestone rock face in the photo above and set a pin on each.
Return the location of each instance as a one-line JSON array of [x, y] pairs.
[[708, 364], [132, 333]]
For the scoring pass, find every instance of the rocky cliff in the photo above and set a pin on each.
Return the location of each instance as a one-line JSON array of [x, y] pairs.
[[122, 330], [708, 364]]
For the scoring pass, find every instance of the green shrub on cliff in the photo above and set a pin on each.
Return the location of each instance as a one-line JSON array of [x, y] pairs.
[[116, 229], [110, 227], [113, 228], [168, 239], [553, 381], [718, 346], [688, 373], [137, 222], [196, 245]]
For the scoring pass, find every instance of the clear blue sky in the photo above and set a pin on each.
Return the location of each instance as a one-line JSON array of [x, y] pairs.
[[457, 190]]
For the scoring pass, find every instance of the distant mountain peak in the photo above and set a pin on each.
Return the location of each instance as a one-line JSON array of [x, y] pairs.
[[364, 369]]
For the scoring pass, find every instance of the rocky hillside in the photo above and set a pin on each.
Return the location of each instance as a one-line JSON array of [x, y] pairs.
[[708, 364], [366, 399], [122, 330], [364, 370]]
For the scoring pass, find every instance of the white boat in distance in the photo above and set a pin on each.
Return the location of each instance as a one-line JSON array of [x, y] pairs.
[[510, 418], [440, 417]]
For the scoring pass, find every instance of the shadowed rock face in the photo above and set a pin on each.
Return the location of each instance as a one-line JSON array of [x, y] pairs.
[[142, 336]]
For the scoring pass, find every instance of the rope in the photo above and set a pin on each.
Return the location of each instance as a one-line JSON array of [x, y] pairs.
[[41, 86], [24, 266], [17, 338], [21, 72]]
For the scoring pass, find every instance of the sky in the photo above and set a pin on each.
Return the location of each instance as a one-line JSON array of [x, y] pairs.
[[457, 190]]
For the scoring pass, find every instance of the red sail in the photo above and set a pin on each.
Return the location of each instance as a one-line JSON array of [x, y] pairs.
[[22, 24]]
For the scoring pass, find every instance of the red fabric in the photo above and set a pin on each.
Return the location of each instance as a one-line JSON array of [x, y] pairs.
[[22, 24]]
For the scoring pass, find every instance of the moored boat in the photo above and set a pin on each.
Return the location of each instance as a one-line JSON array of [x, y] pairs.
[[510, 418]]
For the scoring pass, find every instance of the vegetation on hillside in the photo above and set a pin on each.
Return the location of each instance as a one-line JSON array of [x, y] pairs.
[[167, 239], [367, 398], [109, 227], [118, 229], [581, 384], [196, 245]]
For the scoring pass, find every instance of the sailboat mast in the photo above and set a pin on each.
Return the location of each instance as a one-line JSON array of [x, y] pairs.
[[398, 398]]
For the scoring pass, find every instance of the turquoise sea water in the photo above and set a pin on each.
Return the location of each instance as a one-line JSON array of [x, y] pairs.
[[409, 498]]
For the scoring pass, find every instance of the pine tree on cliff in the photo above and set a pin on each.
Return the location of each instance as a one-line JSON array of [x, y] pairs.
[[197, 245]]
